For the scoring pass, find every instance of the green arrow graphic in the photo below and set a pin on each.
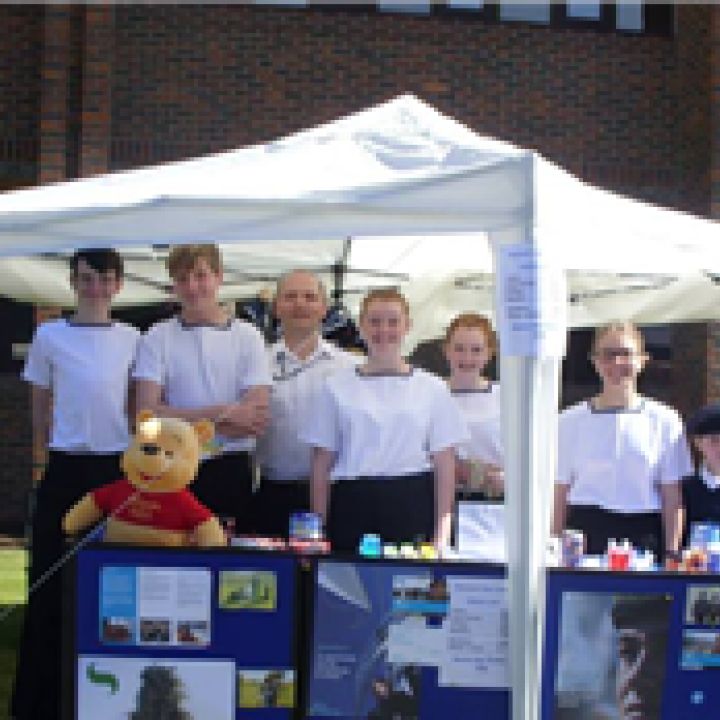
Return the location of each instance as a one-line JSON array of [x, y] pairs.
[[102, 678]]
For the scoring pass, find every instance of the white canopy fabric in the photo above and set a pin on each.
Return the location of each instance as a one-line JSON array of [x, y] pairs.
[[418, 193], [389, 177]]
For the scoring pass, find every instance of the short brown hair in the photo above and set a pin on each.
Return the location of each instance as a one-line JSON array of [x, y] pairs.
[[625, 327], [473, 320], [184, 257], [384, 295]]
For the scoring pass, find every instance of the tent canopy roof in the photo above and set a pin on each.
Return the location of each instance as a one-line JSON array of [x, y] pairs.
[[392, 177]]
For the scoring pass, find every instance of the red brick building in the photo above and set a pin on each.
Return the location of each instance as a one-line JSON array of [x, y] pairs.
[[626, 97]]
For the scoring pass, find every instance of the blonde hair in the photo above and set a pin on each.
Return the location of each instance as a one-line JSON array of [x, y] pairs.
[[474, 321], [626, 327], [184, 257], [384, 295]]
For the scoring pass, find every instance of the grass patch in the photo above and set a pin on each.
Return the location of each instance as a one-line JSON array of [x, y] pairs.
[[13, 591]]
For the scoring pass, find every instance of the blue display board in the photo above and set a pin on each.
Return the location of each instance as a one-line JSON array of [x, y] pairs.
[[409, 641], [210, 633], [632, 645]]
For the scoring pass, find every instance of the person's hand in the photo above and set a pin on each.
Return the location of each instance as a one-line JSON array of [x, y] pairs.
[[494, 480], [249, 417]]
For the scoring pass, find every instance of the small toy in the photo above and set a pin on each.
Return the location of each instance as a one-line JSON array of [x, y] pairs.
[[151, 505]]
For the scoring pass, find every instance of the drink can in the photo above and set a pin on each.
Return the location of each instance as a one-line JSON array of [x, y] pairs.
[[305, 526], [573, 547], [713, 557]]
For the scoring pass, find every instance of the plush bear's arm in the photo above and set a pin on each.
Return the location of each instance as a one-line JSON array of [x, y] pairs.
[[209, 534], [81, 515]]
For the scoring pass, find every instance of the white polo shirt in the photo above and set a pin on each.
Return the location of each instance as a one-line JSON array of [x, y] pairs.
[[617, 459], [481, 410], [199, 365], [282, 454], [87, 369], [383, 424]]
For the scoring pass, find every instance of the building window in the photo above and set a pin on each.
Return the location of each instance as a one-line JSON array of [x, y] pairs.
[[583, 10], [629, 16], [409, 6], [537, 12]]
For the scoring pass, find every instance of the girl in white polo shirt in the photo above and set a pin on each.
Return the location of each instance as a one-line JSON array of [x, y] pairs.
[[79, 370], [620, 455], [386, 434], [469, 347]]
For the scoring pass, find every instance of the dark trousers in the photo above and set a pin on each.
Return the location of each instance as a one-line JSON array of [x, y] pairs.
[[224, 485], [643, 530], [399, 509], [275, 502], [68, 477]]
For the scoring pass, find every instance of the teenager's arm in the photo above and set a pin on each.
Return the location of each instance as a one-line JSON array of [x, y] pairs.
[[41, 405], [322, 462], [671, 507], [148, 396], [559, 509], [249, 416], [444, 462]]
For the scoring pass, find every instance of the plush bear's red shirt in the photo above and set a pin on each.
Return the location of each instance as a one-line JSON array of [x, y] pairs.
[[178, 511]]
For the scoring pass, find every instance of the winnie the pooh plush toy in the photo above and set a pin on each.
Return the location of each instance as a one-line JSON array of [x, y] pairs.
[[151, 505]]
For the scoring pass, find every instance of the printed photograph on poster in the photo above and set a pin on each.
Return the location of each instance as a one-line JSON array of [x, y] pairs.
[[193, 632], [396, 694], [700, 649], [114, 688], [117, 630], [155, 631], [247, 590], [155, 606], [420, 594], [266, 688], [612, 655], [702, 605]]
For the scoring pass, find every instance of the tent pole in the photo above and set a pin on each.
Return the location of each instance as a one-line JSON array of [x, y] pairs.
[[530, 390]]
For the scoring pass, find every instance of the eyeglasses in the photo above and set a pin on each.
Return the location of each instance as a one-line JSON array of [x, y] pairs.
[[609, 354]]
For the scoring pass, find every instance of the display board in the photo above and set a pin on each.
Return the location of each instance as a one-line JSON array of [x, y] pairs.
[[631, 645], [408, 640], [201, 634]]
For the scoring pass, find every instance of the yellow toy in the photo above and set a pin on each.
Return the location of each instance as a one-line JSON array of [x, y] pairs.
[[151, 505]]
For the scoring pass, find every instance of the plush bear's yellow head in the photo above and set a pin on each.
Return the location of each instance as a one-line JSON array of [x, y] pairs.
[[164, 455]]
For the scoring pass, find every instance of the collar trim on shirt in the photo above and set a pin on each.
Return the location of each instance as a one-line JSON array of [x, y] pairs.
[[473, 391], [617, 410], [214, 326], [74, 323], [711, 481], [406, 374]]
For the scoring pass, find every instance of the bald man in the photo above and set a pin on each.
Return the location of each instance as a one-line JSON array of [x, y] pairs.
[[300, 361]]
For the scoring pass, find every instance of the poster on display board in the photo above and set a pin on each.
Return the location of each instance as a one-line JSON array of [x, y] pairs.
[[631, 645], [206, 633], [409, 640]]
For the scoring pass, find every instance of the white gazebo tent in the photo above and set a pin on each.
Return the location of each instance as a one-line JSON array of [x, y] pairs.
[[420, 195]]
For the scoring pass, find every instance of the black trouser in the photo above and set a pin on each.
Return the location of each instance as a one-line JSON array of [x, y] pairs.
[[67, 478], [276, 501], [643, 530], [399, 509], [224, 485]]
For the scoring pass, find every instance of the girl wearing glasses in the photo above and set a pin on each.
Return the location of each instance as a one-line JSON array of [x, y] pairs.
[[621, 455]]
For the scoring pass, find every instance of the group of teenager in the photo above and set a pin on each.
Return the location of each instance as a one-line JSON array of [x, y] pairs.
[[370, 443]]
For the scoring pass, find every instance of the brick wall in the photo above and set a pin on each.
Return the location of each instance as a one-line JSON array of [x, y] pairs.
[[188, 80], [20, 52]]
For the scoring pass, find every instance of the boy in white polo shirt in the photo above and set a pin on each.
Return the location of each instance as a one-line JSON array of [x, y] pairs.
[[300, 362], [205, 364], [79, 370]]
